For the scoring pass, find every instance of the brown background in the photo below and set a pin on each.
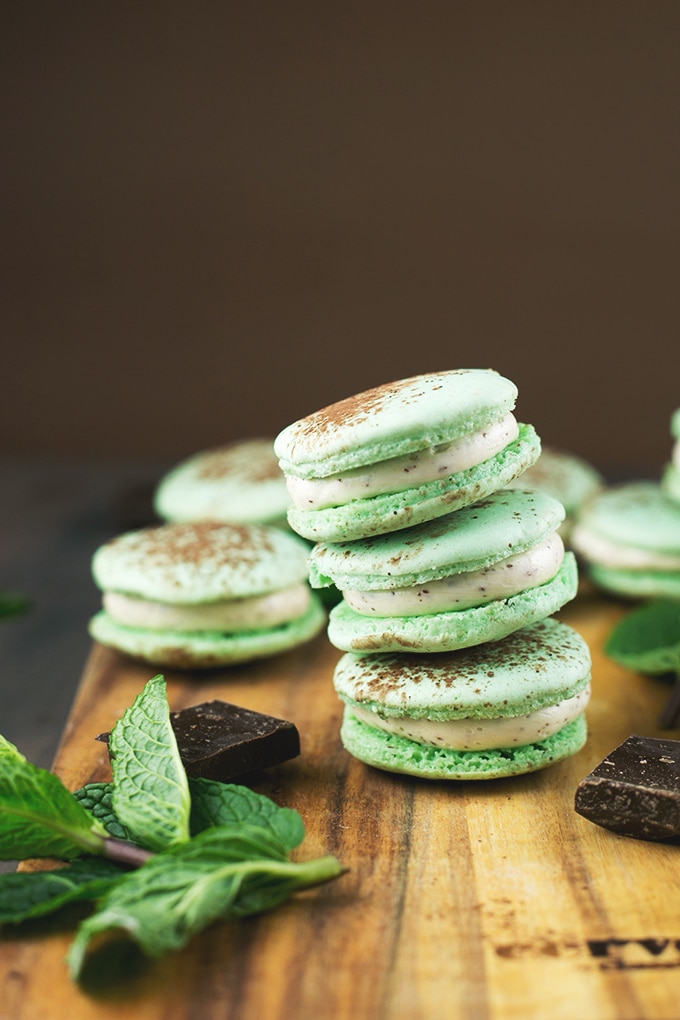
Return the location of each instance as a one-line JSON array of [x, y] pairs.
[[222, 216]]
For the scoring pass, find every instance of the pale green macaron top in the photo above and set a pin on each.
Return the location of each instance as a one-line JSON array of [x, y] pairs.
[[563, 475], [200, 562], [634, 515], [239, 481], [675, 424], [393, 419], [670, 481], [529, 670], [503, 524]]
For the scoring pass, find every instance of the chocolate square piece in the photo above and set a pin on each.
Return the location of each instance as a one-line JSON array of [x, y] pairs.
[[217, 740], [635, 790]]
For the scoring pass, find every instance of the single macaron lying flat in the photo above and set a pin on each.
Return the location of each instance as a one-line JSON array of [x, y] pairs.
[[472, 576], [204, 594], [671, 475], [403, 453], [628, 538], [496, 710], [240, 481]]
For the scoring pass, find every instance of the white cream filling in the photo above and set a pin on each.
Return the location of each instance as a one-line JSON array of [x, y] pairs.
[[405, 472], [482, 734], [254, 613], [509, 577], [626, 557]]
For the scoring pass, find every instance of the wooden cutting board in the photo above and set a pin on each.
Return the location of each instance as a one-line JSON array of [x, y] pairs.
[[479, 901]]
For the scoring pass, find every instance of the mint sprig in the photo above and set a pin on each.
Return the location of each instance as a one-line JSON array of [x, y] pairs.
[[228, 871], [647, 640], [12, 603], [199, 850]]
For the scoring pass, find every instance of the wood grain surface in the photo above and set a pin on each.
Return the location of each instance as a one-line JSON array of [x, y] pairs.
[[488, 900]]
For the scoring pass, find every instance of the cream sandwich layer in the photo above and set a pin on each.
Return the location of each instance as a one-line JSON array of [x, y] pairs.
[[482, 734], [609, 554], [508, 577], [233, 615], [403, 472]]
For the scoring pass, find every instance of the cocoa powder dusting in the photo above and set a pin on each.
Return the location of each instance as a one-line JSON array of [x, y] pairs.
[[361, 406], [531, 649], [162, 548], [250, 462]]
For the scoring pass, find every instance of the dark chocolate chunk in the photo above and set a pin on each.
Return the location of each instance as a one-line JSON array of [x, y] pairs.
[[635, 790], [217, 740], [670, 714]]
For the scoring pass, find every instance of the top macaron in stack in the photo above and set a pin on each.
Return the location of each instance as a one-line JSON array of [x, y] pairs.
[[403, 453], [403, 490]]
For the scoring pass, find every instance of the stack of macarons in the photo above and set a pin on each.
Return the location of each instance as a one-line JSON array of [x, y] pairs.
[[449, 577], [203, 594], [628, 535]]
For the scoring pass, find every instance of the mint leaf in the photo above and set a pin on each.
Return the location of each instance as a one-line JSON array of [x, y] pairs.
[[215, 803], [8, 750], [97, 798], [225, 871], [150, 786], [648, 638], [25, 895], [38, 815], [11, 603]]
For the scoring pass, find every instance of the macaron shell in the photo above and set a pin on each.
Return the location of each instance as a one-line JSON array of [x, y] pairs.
[[527, 671], [239, 481], [636, 514], [198, 562], [564, 476], [397, 754], [393, 419], [439, 632], [636, 584], [363, 518], [206, 649], [675, 423], [671, 483], [503, 524]]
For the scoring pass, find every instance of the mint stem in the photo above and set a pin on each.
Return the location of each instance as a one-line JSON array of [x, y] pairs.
[[305, 874], [125, 853], [670, 713], [316, 872]]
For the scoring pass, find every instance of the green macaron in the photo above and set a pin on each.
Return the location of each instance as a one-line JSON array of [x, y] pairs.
[[628, 538], [240, 481], [475, 575], [565, 476], [204, 594], [402, 453], [496, 710], [671, 474]]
